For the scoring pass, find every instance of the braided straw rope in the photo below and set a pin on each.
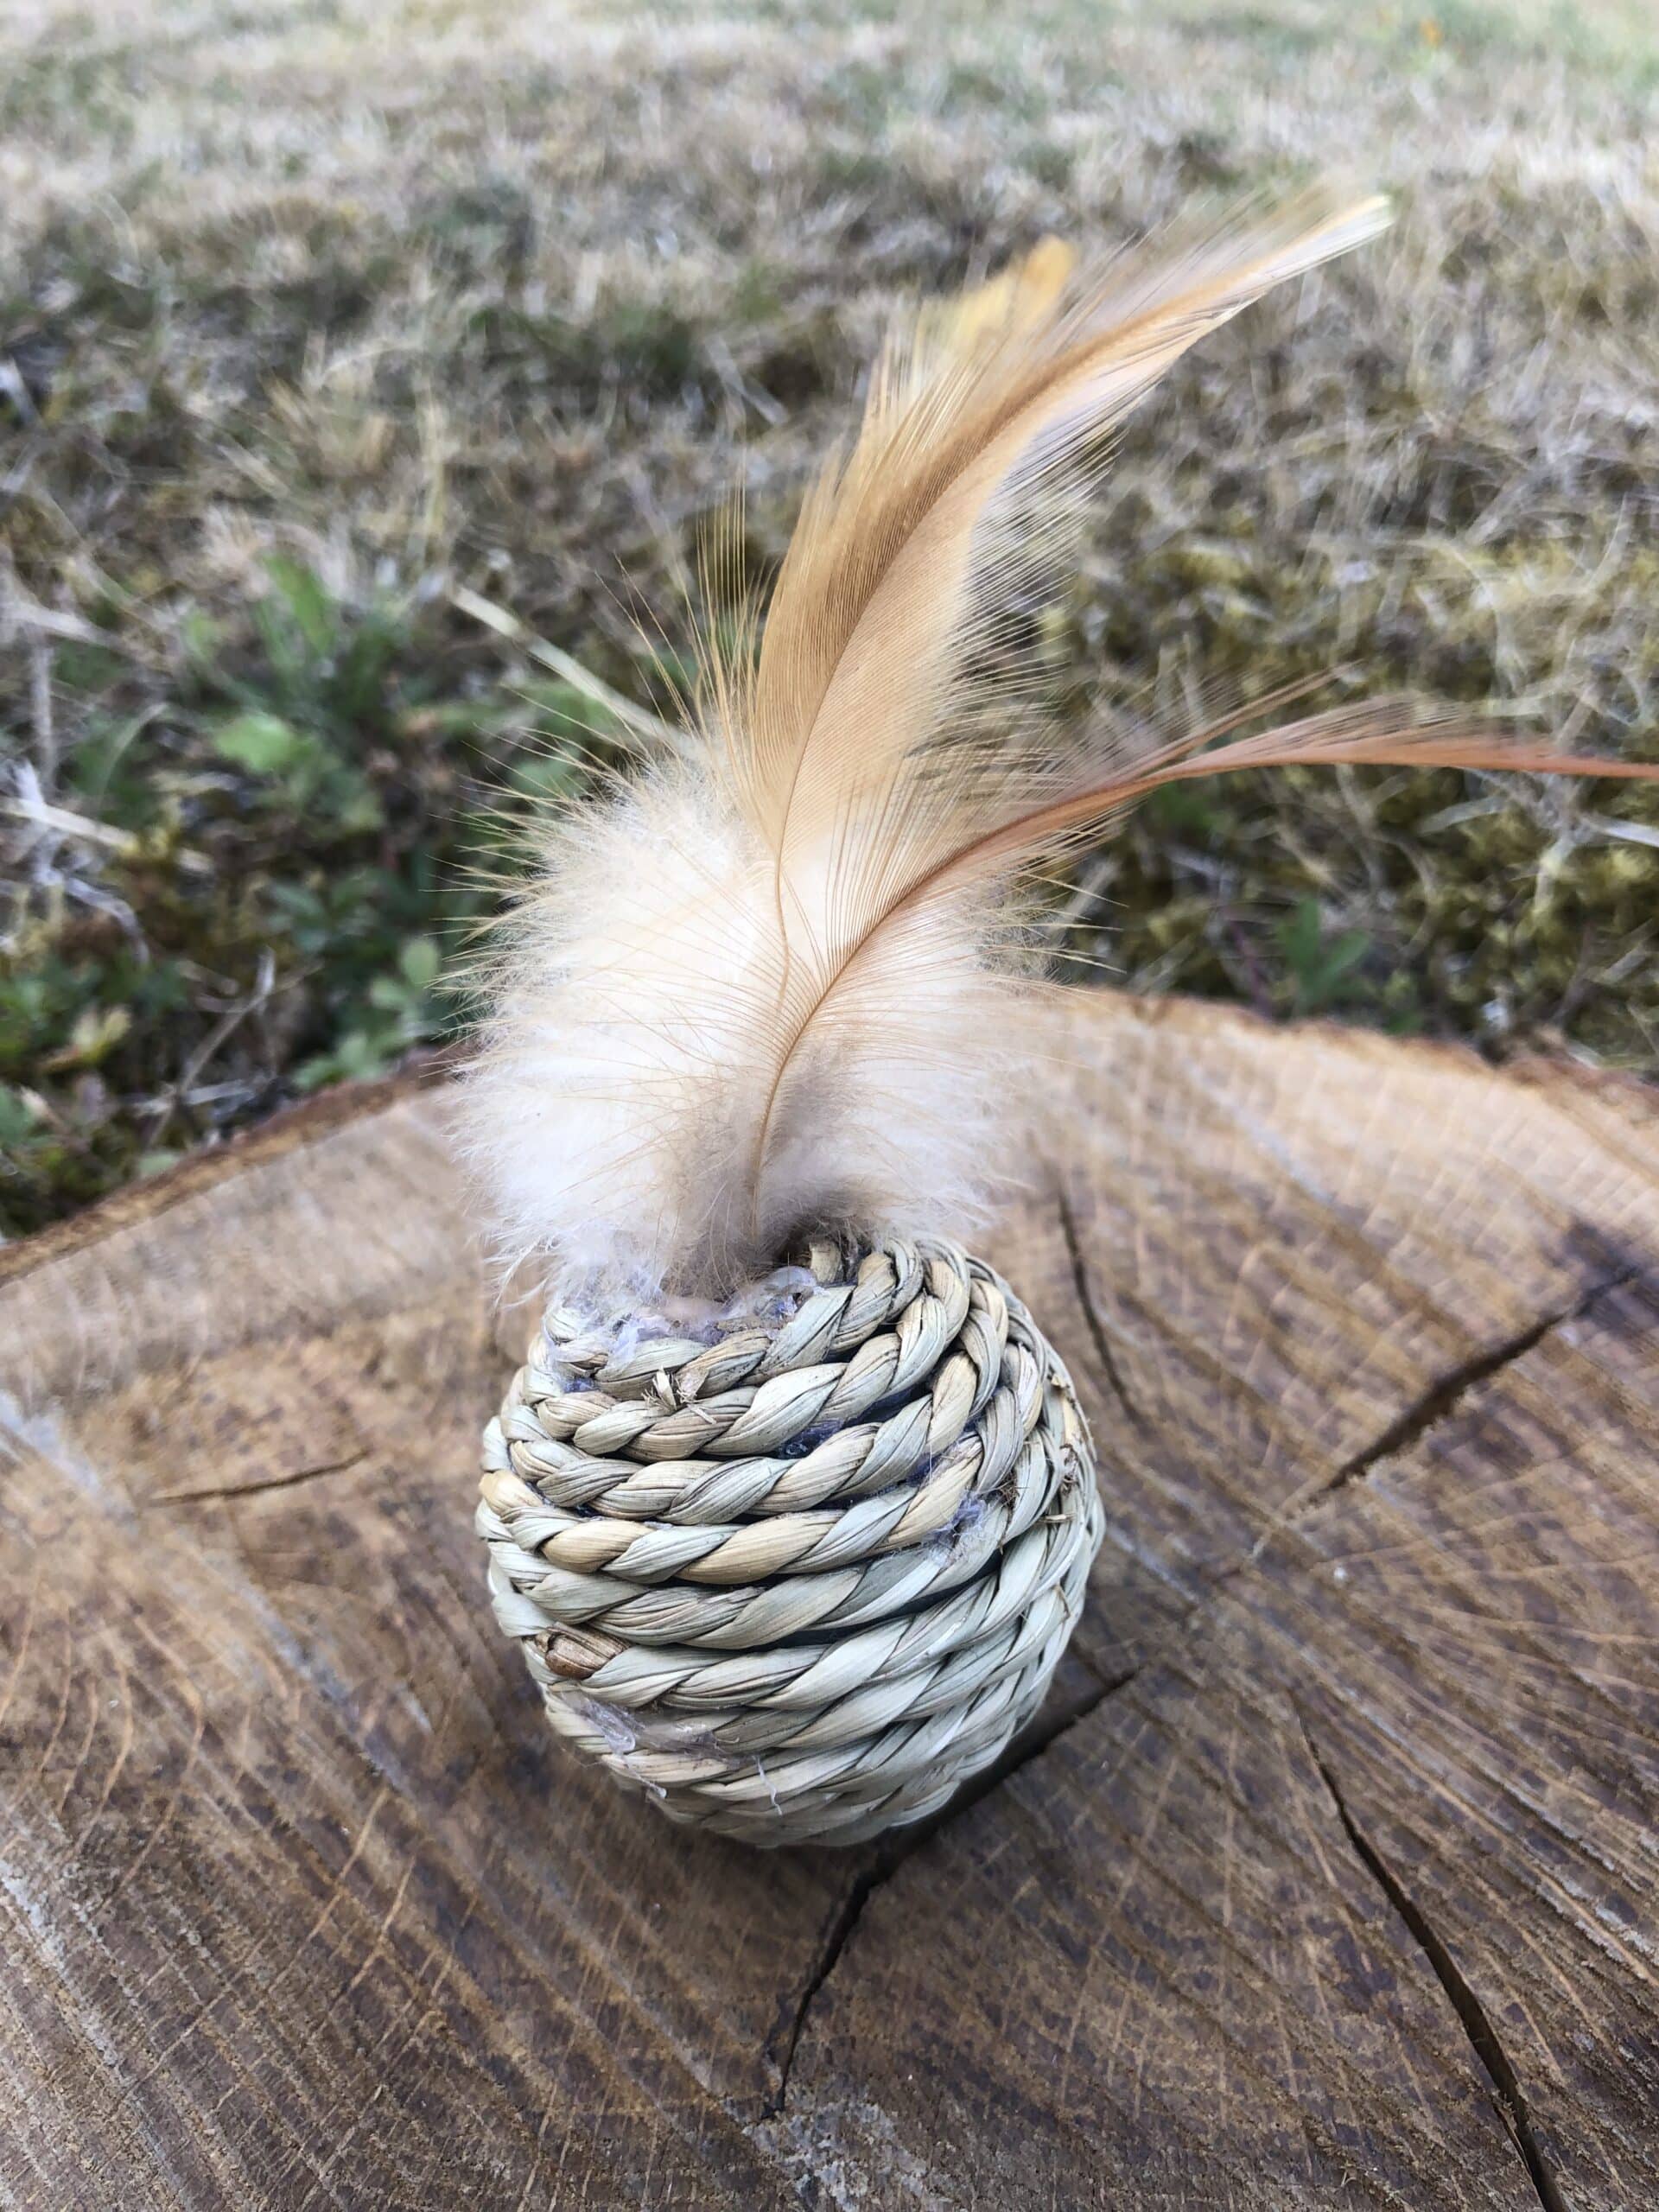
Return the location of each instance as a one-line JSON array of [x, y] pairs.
[[798, 1583]]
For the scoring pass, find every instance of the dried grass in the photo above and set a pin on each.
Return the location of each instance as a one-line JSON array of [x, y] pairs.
[[498, 300]]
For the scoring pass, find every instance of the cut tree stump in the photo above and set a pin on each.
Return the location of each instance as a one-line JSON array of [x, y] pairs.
[[1328, 1876]]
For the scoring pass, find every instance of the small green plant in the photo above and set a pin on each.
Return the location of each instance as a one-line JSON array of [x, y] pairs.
[[399, 1011], [1322, 968]]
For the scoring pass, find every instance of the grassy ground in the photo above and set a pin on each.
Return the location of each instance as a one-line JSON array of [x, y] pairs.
[[354, 355]]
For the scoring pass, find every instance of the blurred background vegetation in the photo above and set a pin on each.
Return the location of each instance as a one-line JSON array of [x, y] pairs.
[[366, 367]]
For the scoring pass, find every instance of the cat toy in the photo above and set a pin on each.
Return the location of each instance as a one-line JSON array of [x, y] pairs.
[[791, 1507]]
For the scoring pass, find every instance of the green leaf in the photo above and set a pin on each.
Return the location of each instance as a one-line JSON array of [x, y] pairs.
[[359, 1054], [94, 1034], [262, 744], [1299, 937], [1319, 966], [419, 961], [202, 639], [356, 806], [1180, 808], [1346, 952], [305, 600], [18, 1115]]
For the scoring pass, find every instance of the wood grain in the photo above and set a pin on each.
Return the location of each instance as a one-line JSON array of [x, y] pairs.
[[1326, 1878]]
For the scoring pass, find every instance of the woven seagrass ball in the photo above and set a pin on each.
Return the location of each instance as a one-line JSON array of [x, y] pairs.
[[799, 1573]]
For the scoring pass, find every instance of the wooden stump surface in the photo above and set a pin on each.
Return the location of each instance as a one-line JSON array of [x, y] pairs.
[[1329, 1876]]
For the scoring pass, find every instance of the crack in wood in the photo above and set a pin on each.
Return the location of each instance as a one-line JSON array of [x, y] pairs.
[[1425, 1413], [254, 1489], [883, 1865], [1475, 2021], [1097, 1327], [1443, 1395], [893, 1852], [1434, 1405]]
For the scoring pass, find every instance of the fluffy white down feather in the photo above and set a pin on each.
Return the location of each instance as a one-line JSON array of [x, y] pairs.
[[613, 1114]]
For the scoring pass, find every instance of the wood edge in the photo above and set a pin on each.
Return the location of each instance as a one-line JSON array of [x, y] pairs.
[[284, 1131], [1539, 1071], [293, 1126]]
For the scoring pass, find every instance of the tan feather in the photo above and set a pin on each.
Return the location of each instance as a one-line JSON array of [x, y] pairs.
[[870, 603], [777, 985]]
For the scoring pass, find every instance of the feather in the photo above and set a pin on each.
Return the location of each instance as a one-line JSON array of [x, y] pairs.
[[779, 983]]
